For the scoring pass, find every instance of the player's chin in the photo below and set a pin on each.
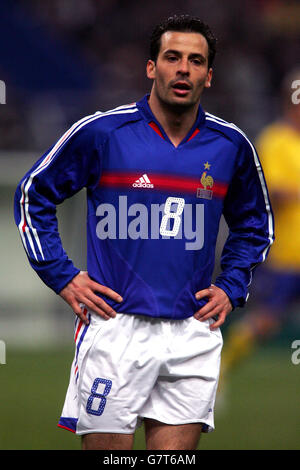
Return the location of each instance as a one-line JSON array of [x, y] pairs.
[[182, 103]]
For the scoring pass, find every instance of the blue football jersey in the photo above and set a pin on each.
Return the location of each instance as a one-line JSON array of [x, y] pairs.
[[153, 209]]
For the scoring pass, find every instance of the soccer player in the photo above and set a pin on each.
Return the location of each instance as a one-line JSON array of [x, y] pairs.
[[276, 290], [159, 174]]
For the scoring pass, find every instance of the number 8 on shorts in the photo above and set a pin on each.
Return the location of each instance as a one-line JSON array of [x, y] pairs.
[[98, 396]]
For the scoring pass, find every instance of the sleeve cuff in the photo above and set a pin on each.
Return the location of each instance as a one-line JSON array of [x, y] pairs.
[[235, 292], [55, 274]]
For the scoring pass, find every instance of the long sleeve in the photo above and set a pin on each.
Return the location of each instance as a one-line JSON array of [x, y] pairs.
[[70, 165], [249, 216]]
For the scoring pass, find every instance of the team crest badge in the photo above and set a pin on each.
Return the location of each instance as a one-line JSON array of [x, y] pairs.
[[207, 181]]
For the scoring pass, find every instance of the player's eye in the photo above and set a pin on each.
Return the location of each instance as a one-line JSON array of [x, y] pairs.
[[197, 61], [171, 58]]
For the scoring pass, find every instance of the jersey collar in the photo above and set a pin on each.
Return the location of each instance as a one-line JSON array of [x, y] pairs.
[[147, 114]]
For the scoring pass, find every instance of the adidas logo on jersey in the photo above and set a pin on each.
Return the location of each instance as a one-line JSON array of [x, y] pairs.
[[143, 182]]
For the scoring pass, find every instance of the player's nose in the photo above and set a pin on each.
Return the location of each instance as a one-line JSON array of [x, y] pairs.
[[183, 67]]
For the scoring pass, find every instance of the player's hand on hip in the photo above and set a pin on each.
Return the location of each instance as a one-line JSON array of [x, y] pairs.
[[81, 290], [218, 305]]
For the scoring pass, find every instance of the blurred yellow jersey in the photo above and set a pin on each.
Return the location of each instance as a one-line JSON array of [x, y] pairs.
[[279, 150]]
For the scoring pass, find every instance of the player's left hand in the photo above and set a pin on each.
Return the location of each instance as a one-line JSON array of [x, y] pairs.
[[218, 305]]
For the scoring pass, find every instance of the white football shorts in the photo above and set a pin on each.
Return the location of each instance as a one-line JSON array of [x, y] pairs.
[[132, 367]]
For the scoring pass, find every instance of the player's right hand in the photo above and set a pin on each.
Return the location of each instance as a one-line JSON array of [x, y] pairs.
[[81, 290]]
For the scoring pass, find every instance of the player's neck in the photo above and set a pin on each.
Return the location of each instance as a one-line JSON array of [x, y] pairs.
[[176, 123]]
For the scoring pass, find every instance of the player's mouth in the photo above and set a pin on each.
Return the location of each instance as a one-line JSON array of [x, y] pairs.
[[181, 88]]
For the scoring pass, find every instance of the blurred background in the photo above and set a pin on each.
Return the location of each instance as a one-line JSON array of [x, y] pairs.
[[61, 60]]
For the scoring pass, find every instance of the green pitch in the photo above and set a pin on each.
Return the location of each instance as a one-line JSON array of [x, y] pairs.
[[261, 408]]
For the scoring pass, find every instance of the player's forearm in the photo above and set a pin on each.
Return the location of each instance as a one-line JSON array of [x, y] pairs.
[[38, 227], [56, 274], [234, 282]]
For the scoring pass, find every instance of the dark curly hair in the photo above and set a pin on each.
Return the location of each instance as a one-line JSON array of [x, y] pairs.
[[183, 23]]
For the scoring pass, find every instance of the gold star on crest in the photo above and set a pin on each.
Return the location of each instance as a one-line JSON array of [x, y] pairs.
[[207, 166]]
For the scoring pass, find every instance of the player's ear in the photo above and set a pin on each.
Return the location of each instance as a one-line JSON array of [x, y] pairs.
[[150, 68], [209, 78]]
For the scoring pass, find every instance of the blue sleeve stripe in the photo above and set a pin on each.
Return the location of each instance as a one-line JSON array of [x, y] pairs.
[[28, 232]]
